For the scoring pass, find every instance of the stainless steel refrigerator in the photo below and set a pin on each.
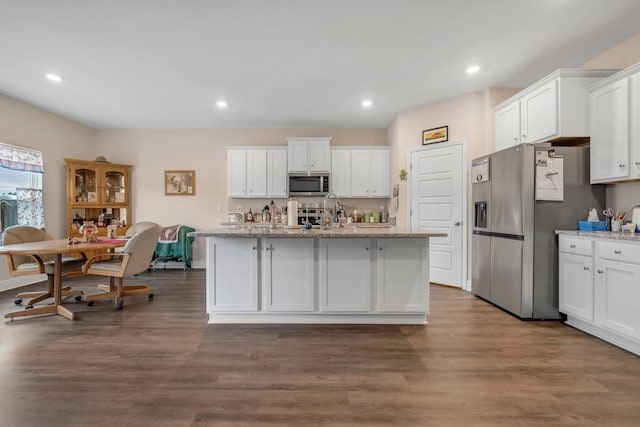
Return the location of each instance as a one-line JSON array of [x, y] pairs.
[[514, 247]]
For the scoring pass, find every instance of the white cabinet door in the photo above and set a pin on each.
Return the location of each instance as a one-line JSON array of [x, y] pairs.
[[539, 113], [236, 173], [617, 296], [288, 275], [344, 274], [402, 275], [610, 132], [341, 172], [634, 116], [360, 173], [380, 173], [297, 156], [232, 274], [309, 155], [319, 156], [277, 172], [256, 173], [576, 285], [507, 126]]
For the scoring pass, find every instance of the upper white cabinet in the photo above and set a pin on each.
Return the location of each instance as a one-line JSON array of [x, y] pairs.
[[308, 155], [341, 171], [615, 127], [552, 108], [256, 172], [507, 126], [361, 172]]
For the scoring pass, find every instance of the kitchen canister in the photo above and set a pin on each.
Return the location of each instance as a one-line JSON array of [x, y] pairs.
[[292, 212]]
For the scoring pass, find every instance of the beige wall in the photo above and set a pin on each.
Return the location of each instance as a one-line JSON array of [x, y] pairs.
[[469, 117], [623, 196], [27, 126], [203, 150]]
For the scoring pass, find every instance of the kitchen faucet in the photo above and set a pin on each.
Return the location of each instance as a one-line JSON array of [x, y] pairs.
[[334, 215]]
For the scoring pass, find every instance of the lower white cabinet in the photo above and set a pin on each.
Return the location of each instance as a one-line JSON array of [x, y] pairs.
[[288, 275], [618, 293], [344, 275], [232, 275], [600, 291], [575, 268], [402, 275]]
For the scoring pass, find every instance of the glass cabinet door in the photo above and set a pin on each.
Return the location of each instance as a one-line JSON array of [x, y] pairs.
[[86, 186], [115, 187]]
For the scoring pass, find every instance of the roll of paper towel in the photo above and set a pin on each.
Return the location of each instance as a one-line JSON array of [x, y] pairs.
[[292, 212], [635, 217]]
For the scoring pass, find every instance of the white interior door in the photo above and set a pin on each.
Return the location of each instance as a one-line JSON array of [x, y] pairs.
[[437, 202]]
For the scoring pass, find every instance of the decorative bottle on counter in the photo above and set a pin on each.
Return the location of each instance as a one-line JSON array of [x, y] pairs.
[[250, 216]]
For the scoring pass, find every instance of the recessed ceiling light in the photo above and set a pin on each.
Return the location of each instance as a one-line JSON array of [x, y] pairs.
[[473, 69], [367, 103], [222, 104], [53, 77]]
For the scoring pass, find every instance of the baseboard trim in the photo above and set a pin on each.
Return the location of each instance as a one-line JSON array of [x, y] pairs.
[[17, 282]]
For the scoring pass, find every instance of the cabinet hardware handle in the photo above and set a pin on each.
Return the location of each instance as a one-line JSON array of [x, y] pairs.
[[637, 163], [572, 246], [622, 165], [457, 223], [312, 165], [600, 271], [515, 138], [366, 249], [617, 252], [524, 136], [254, 248], [380, 248], [586, 268]]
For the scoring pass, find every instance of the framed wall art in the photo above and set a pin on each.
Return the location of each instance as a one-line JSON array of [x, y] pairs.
[[179, 183], [431, 136]]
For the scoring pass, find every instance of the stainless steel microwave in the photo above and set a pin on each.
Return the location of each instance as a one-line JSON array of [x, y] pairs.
[[301, 184]]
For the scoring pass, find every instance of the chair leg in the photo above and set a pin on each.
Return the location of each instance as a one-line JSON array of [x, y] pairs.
[[36, 297]]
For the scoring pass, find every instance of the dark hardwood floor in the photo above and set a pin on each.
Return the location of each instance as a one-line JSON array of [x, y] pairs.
[[160, 364]]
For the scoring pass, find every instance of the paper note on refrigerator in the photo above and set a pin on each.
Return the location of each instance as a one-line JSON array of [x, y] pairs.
[[550, 179]]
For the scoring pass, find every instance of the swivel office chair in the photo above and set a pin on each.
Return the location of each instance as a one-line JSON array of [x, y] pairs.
[[23, 265], [134, 258]]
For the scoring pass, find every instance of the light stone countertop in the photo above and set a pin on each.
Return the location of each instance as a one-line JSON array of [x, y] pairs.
[[350, 231], [601, 234]]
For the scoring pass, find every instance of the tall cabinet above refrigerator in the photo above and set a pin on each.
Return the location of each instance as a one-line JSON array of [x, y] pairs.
[[521, 195]]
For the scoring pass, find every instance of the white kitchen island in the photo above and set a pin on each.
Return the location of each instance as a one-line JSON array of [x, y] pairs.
[[358, 274]]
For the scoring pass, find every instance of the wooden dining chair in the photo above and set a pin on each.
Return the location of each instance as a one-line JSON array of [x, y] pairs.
[[24, 265], [134, 258]]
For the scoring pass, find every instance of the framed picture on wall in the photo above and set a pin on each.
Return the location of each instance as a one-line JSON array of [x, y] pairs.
[[431, 136], [179, 183]]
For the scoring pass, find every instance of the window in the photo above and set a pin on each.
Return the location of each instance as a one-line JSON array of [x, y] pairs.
[[21, 171]]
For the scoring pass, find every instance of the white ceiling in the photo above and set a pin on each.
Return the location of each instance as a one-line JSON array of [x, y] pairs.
[[287, 63]]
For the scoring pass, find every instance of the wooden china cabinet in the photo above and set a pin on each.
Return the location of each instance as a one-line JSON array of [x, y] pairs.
[[99, 192]]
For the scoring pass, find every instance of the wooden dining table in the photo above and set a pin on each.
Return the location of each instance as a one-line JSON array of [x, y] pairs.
[[55, 248]]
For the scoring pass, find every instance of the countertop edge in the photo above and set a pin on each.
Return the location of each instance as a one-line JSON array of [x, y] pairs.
[[601, 234], [333, 233]]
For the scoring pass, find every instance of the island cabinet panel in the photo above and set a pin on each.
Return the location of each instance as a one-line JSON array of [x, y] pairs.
[[344, 275], [232, 275], [402, 275], [288, 275]]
